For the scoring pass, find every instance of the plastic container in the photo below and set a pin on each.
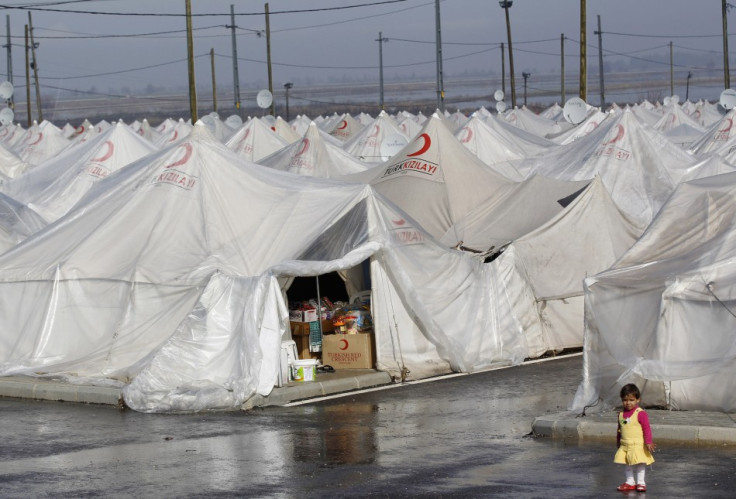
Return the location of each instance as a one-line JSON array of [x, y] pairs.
[[305, 369]]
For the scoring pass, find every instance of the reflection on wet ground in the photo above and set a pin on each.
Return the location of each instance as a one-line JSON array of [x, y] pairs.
[[466, 436]]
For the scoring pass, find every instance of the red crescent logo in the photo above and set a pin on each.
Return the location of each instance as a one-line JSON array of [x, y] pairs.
[[728, 126], [176, 134], [592, 125], [273, 128], [245, 136], [427, 143], [107, 155], [140, 131], [185, 158], [696, 114], [305, 146], [468, 135], [40, 136], [343, 125], [400, 221], [619, 135], [80, 129], [4, 132], [343, 344], [512, 118], [403, 127], [376, 129]]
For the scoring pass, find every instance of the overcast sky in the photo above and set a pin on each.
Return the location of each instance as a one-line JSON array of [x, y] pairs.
[[334, 44]]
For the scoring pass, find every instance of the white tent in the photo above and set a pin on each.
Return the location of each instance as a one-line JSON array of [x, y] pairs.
[[17, 222], [53, 187], [163, 279], [371, 143], [345, 128], [254, 141], [41, 142], [11, 165], [435, 179], [663, 315], [314, 156]]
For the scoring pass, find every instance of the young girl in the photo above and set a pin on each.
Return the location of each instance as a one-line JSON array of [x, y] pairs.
[[634, 440]]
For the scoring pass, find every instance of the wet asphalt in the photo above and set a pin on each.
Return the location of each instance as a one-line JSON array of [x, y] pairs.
[[466, 436]]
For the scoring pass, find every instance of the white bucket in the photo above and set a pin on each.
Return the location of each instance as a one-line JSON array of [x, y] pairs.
[[305, 369]]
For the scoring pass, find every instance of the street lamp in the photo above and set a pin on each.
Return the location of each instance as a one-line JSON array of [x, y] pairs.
[[287, 86], [505, 4], [526, 77]]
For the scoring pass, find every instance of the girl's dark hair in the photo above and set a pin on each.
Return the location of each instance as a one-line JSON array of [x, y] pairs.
[[630, 389]]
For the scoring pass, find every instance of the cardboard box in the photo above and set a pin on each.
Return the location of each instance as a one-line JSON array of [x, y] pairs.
[[300, 335], [302, 328], [348, 351], [303, 315]]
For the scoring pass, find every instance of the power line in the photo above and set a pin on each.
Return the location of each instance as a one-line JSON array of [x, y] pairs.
[[143, 14]]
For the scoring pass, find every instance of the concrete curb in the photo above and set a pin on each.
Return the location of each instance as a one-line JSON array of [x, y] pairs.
[[40, 389], [706, 428], [314, 389], [60, 391]]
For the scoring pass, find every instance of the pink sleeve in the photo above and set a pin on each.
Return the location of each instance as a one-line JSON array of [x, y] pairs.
[[644, 422]]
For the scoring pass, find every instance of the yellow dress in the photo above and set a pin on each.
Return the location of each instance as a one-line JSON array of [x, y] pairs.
[[632, 449]]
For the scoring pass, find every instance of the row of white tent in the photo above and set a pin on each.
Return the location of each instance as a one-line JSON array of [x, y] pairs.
[[156, 258]]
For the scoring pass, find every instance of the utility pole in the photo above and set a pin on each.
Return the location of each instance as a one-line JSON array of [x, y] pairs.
[[28, 81], [672, 72], [9, 46], [440, 84], [34, 65], [214, 83], [268, 57], [583, 43], [526, 77], [687, 87], [505, 4], [190, 65], [562, 67], [380, 41], [600, 64], [503, 70], [236, 81], [287, 86], [726, 73]]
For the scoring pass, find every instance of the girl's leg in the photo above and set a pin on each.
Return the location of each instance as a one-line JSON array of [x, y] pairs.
[[629, 475], [641, 470]]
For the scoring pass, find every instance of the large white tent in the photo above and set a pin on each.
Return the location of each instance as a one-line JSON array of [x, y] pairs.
[[17, 222], [663, 316], [164, 279]]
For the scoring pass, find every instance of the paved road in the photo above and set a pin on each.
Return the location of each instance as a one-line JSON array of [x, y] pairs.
[[458, 437]]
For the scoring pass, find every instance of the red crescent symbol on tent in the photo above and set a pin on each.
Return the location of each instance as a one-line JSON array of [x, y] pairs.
[[400, 221], [185, 158], [176, 134], [140, 131], [592, 125], [273, 128], [512, 118], [427, 143], [673, 118], [343, 344], [696, 114], [403, 127], [245, 136], [80, 129], [343, 125], [4, 132], [728, 125], [108, 154], [305, 146], [376, 129], [40, 136], [99, 129], [468, 135], [619, 135]]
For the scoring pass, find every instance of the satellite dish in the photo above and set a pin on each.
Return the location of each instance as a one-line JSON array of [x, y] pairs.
[[6, 90], [392, 145], [264, 99], [575, 110], [500, 106], [234, 121], [675, 99], [498, 95], [6, 116], [667, 101], [728, 99]]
